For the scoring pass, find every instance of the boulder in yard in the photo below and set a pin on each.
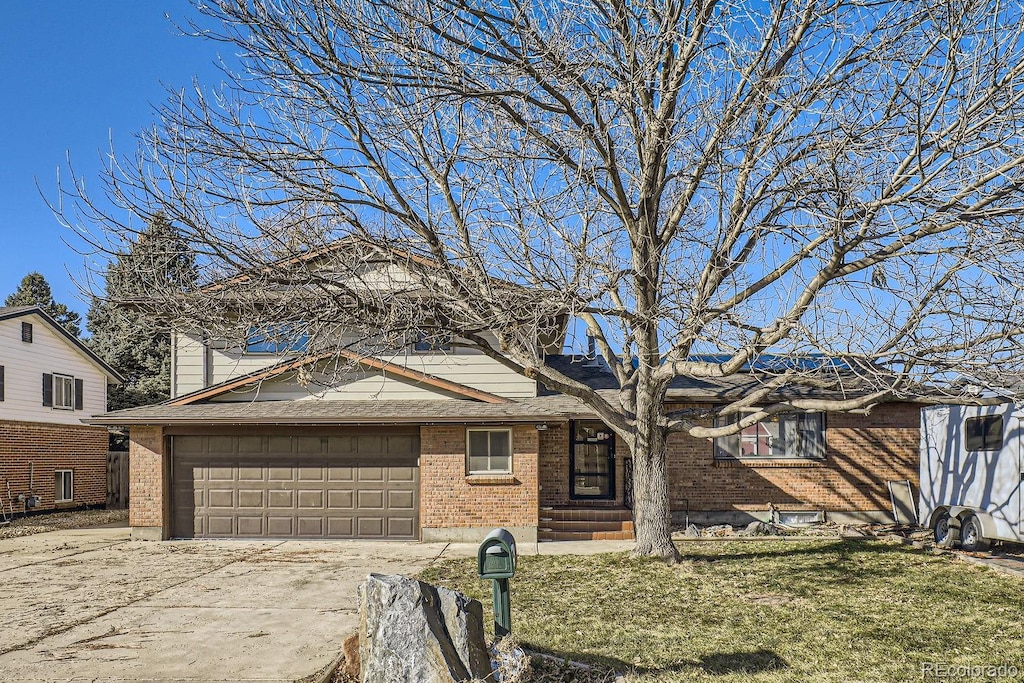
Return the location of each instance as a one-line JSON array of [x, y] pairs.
[[411, 631], [692, 531]]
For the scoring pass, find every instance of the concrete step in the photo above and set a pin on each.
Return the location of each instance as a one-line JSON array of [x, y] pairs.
[[587, 525], [551, 535], [588, 514]]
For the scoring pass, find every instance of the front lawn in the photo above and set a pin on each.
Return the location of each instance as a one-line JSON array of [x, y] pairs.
[[763, 611]]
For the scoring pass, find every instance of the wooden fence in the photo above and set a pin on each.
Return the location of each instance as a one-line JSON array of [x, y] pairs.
[[117, 480]]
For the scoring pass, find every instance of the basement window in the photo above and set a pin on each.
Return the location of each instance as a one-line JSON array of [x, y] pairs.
[[489, 451], [790, 435], [984, 433], [64, 486]]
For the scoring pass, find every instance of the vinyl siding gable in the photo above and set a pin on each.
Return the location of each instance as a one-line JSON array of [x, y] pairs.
[[197, 366], [48, 353]]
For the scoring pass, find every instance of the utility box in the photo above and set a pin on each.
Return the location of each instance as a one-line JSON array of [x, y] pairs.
[[496, 557]]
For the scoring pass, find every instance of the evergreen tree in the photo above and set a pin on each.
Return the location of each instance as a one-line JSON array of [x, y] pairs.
[[34, 290], [139, 347]]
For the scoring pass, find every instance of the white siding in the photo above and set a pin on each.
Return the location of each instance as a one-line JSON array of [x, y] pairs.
[[187, 364], [472, 368], [24, 365], [464, 366], [226, 364], [353, 386]]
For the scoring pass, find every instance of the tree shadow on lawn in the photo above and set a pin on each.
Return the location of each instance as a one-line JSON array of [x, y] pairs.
[[823, 563], [717, 664]]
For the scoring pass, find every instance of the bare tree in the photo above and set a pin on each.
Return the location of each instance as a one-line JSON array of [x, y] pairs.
[[703, 184]]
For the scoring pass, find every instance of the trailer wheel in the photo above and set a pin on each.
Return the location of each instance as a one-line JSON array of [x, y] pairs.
[[943, 534], [971, 538]]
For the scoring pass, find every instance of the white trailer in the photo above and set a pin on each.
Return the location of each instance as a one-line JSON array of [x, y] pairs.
[[972, 469]]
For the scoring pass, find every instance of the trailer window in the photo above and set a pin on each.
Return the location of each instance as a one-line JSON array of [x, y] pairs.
[[984, 433]]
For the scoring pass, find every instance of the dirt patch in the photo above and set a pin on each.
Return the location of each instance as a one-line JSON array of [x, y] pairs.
[[57, 521]]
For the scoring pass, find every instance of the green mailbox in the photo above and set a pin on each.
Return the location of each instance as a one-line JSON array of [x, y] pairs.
[[496, 556], [496, 560]]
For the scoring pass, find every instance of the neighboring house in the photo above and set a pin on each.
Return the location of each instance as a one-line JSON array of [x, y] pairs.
[[49, 382], [445, 443]]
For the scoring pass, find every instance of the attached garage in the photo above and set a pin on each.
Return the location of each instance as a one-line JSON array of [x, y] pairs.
[[299, 485]]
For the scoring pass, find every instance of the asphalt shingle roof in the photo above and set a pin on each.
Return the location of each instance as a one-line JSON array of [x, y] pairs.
[[313, 411]]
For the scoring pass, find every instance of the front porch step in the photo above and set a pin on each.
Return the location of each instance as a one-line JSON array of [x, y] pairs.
[[544, 535], [585, 524], [587, 514]]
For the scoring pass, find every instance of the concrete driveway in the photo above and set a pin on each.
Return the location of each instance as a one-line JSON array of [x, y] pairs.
[[90, 604]]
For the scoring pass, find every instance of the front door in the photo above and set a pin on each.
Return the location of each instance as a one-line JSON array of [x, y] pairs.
[[591, 461]]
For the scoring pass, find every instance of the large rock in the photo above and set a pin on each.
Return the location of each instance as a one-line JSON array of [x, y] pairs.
[[413, 632]]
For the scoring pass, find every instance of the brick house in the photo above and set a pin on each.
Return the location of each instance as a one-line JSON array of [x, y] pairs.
[[445, 444], [49, 382]]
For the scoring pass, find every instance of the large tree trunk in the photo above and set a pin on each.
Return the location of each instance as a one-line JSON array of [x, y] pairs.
[[652, 515]]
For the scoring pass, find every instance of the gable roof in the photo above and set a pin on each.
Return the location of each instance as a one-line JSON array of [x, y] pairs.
[[375, 363], [12, 312]]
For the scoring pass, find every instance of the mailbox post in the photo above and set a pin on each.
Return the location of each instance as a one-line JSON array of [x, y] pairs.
[[496, 560]]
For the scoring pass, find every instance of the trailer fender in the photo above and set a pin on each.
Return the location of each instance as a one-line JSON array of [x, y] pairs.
[[958, 514]]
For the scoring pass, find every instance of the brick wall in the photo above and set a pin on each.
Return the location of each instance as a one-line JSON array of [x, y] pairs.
[[450, 499], [554, 465], [148, 479], [863, 453], [44, 448]]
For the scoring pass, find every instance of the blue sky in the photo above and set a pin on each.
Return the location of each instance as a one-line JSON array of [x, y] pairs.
[[75, 76]]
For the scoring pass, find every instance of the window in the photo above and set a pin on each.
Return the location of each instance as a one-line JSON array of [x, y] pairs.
[[984, 433], [489, 451], [64, 486], [64, 392], [432, 342], [276, 339], [799, 435], [26, 332]]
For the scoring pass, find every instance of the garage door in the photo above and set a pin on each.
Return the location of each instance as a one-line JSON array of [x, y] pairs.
[[349, 486]]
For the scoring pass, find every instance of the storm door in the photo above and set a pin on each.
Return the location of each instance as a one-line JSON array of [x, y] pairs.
[[591, 461]]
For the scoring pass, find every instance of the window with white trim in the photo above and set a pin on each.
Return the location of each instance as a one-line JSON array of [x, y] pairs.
[[786, 435], [489, 451], [64, 392], [64, 486]]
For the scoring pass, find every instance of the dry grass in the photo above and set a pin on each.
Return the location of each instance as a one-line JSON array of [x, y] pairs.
[[823, 611], [55, 521]]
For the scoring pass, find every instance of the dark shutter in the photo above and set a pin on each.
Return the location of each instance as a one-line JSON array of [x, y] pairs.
[[79, 394], [26, 332], [47, 390], [1, 382]]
